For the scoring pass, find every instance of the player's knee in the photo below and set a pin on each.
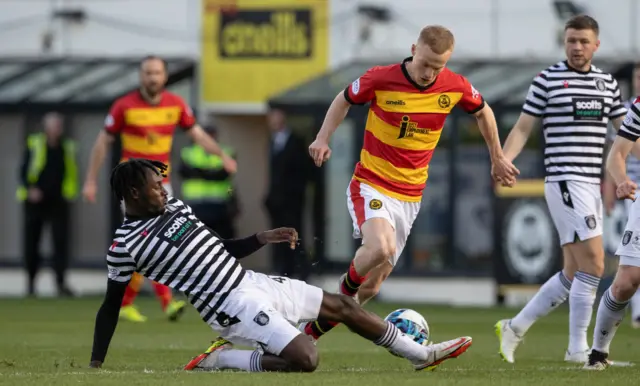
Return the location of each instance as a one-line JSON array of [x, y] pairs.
[[307, 360], [381, 251]]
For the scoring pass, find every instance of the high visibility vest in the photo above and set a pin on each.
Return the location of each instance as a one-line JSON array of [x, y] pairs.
[[200, 189], [37, 145]]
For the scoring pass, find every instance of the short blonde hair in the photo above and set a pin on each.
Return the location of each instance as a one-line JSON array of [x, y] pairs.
[[438, 38]]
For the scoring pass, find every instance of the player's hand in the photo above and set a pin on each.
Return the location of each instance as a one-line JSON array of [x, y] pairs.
[[229, 164], [503, 171], [95, 364], [279, 235], [319, 151], [90, 191], [34, 195], [627, 189]]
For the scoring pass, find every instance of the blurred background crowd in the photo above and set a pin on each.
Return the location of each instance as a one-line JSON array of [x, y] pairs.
[[259, 75]]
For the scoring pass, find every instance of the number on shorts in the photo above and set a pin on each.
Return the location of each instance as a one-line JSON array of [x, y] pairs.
[[279, 279]]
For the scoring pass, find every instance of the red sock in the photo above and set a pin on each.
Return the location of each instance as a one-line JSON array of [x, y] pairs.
[[352, 281], [163, 293], [132, 289]]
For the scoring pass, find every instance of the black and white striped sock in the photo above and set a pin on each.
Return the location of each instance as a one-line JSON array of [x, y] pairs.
[[401, 344]]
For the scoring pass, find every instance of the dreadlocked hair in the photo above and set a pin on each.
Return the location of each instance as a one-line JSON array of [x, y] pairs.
[[133, 174]]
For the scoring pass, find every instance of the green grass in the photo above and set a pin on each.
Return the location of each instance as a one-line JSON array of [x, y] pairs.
[[48, 342]]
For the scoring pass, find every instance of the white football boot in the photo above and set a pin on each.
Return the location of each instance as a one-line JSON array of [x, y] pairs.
[[577, 357], [440, 352], [508, 339]]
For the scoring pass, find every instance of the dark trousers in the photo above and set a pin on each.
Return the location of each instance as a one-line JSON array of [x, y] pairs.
[[288, 262], [217, 217], [56, 214]]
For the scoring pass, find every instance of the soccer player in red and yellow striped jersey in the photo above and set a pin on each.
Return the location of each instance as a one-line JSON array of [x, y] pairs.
[[145, 121], [409, 104]]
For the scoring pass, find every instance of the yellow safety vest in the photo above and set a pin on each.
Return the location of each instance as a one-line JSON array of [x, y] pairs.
[[200, 189], [37, 145]]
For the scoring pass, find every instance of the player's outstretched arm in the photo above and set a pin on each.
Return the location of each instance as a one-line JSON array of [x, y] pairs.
[[617, 123], [240, 248], [502, 170], [319, 149], [519, 135], [200, 137], [98, 153], [106, 321]]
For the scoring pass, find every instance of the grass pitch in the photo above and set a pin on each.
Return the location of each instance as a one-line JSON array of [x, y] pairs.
[[48, 342]]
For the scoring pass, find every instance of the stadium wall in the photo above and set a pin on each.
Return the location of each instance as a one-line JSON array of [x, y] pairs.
[[494, 29]]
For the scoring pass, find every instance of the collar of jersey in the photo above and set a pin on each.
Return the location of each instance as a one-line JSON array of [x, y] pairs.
[[566, 63], [403, 66]]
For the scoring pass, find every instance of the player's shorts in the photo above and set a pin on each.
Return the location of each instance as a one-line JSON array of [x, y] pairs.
[[365, 202], [267, 309], [576, 209], [629, 247], [167, 187]]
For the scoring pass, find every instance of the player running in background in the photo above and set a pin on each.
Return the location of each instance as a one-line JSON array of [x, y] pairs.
[[575, 101], [633, 171], [616, 298], [163, 240], [409, 104], [145, 121]]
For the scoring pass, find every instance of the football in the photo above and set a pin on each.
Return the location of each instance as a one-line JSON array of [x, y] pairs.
[[411, 323]]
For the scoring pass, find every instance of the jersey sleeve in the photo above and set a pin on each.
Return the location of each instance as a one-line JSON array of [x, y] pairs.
[[187, 119], [536, 100], [471, 101], [362, 90], [120, 264], [630, 128], [114, 122], [617, 107]]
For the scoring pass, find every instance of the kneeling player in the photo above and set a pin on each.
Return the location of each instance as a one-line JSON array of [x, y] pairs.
[[615, 300], [162, 239]]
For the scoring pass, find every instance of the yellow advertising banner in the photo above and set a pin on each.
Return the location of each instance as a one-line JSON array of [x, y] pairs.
[[258, 48]]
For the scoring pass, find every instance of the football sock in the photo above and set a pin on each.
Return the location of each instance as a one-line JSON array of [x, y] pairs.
[[581, 299], [552, 293], [349, 286], [635, 305], [246, 360], [401, 344], [163, 293], [352, 281], [132, 289], [608, 318]]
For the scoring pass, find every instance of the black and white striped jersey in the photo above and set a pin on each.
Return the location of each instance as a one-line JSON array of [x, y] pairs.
[[177, 250], [630, 130], [633, 164], [575, 108]]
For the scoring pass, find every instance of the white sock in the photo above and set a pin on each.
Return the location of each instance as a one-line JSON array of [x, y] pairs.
[[401, 344], [581, 299], [552, 293], [246, 360], [610, 314], [635, 305]]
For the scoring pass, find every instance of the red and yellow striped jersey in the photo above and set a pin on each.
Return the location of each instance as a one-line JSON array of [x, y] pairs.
[[404, 125], [146, 130]]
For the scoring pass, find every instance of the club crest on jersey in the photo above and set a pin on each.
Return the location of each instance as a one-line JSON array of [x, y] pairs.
[[590, 221], [600, 86], [444, 101]]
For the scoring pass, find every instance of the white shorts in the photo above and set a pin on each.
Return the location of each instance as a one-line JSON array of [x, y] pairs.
[[268, 308], [365, 202], [166, 186], [576, 209], [629, 247]]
